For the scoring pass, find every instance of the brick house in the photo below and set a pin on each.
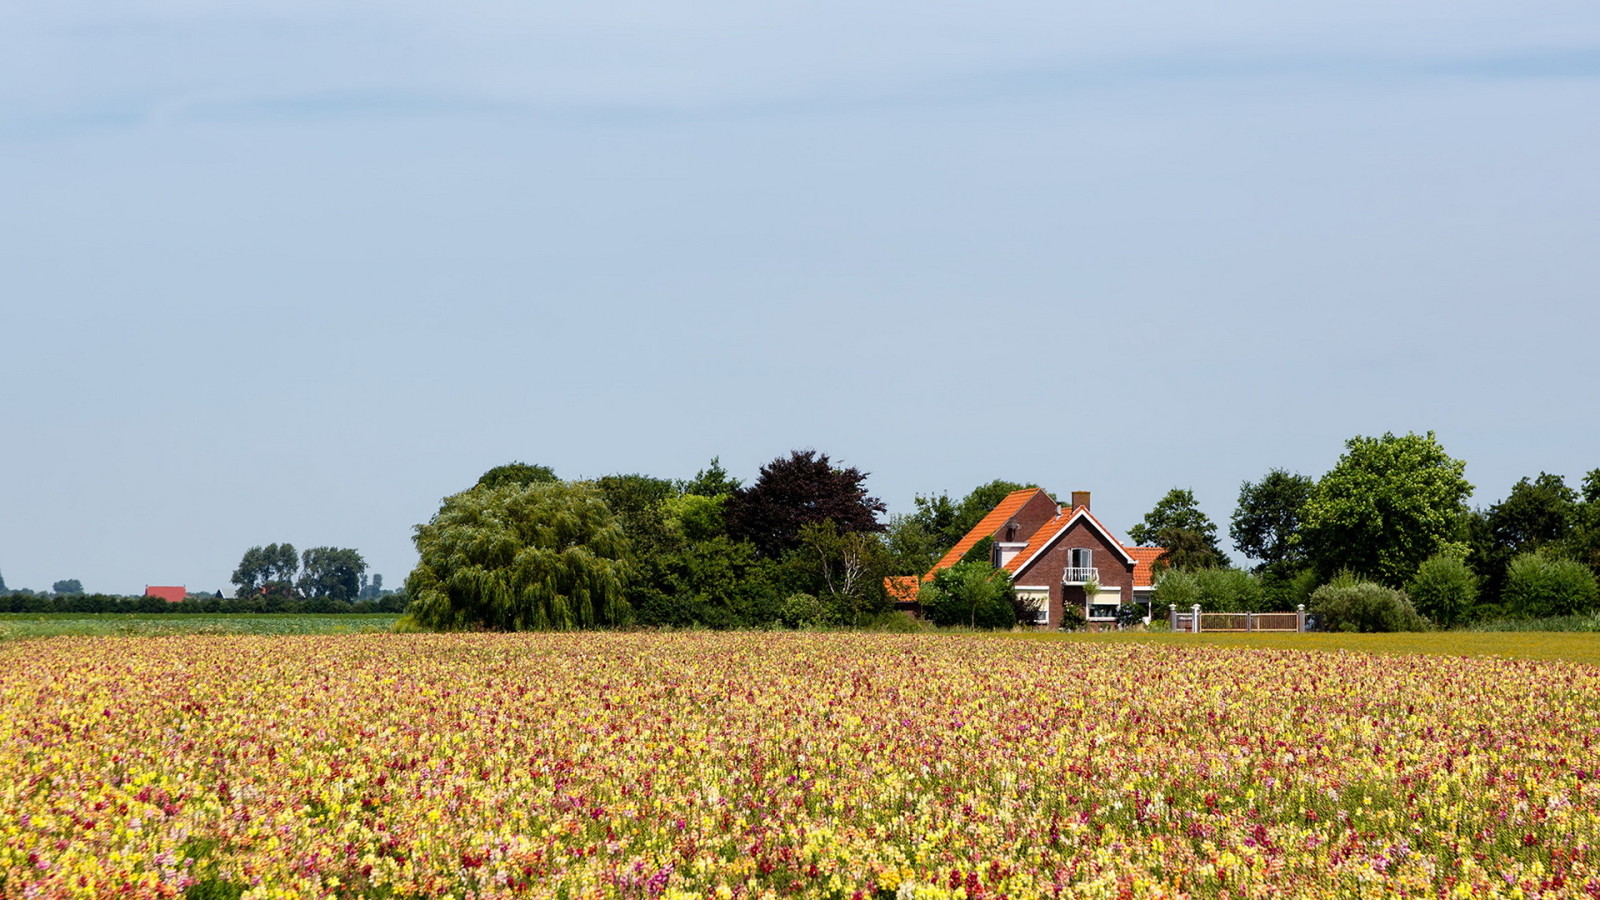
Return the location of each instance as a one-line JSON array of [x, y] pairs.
[[1054, 554]]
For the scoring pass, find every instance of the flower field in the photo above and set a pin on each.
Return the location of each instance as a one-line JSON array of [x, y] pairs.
[[769, 765]]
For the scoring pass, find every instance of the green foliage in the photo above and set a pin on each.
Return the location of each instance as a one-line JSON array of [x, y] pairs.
[[715, 583], [267, 570], [1350, 604], [1444, 589], [1228, 590], [67, 586], [801, 489], [1268, 517], [1177, 524], [974, 594], [982, 551], [949, 522], [848, 568], [712, 481], [1387, 505], [805, 611], [912, 546], [519, 473], [1216, 590], [1539, 586], [695, 517], [1073, 619], [331, 573], [534, 556], [1175, 587]]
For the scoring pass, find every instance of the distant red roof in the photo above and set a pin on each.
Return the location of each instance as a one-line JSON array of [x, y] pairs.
[[172, 593], [902, 588]]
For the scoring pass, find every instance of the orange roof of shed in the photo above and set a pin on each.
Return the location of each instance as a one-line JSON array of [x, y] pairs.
[[1143, 559]]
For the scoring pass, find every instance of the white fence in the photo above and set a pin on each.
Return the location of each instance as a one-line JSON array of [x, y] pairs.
[[1195, 621]]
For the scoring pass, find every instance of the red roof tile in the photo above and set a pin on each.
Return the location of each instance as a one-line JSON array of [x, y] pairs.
[[172, 593], [986, 527], [1143, 558], [902, 588]]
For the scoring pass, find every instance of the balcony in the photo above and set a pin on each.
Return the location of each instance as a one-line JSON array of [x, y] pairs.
[[1080, 575]]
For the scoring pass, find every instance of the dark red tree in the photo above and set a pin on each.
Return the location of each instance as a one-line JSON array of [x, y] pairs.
[[801, 489]]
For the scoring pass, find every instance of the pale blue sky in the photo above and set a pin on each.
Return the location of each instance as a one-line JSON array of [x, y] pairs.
[[293, 271]]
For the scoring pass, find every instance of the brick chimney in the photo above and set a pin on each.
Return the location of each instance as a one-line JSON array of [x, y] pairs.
[[1080, 498]]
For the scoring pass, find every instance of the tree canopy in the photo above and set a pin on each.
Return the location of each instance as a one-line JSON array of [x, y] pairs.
[[331, 573], [269, 569], [67, 586], [521, 556], [1388, 504], [1268, 517], [516, 473], [801, 489], [1189, 535]]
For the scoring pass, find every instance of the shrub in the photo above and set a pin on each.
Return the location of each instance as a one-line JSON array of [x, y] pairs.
[[1346, 604], [1444, 589], [1072, 619], [1539, 586], [805, 611], [1176, 588], [975, 594], [1228, 590]]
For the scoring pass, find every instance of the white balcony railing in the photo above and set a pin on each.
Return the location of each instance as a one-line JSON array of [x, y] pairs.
[[1080, 575]]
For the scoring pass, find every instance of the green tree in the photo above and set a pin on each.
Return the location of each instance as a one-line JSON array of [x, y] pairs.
[[516, 473], [974, 594], [1189, 535], [717, 582], [1268, 517], [332, 573], [1539, 586], [712, 481], [1444, 589], [849, 566], [800, 489], [1228, 590], [912, 546], [67, 586], [1584, 542], [3, 589], [268, 571], [1388, 504], [521, 556]]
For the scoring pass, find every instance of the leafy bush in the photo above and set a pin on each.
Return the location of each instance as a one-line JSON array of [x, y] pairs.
[[974, 594], [1346, 604], [982, 551], [805, 611], [1228, 590], [1444, 589], [1176, 588], [1072, 619], [1540, 586]]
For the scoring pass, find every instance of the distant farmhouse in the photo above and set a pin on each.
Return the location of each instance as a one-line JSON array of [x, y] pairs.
[[172, 593], [1054, 554]]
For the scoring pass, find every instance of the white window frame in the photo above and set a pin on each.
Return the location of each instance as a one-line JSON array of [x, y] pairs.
[[1042, 615]]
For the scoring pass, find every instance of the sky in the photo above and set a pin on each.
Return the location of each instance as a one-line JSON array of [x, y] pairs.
[[294, 271]]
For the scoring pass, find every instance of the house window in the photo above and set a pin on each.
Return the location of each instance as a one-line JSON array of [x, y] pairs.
[[1081, 558], [1039, 599]]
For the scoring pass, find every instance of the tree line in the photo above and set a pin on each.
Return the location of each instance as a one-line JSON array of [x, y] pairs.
[[1385, 540]]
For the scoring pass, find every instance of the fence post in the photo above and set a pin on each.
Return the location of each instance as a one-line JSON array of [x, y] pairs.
[[1196, 610], [1301, 614], [1249, 622], [1172, 616]]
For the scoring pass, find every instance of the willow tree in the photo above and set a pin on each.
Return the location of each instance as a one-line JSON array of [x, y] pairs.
[[542, 555]]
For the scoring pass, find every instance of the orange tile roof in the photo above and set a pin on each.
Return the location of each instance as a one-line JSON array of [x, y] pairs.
[[1050, 529], [902, 588], [986, 527], [1143, 558]]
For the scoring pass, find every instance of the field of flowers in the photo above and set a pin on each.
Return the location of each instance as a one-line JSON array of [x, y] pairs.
[[764, 765]]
